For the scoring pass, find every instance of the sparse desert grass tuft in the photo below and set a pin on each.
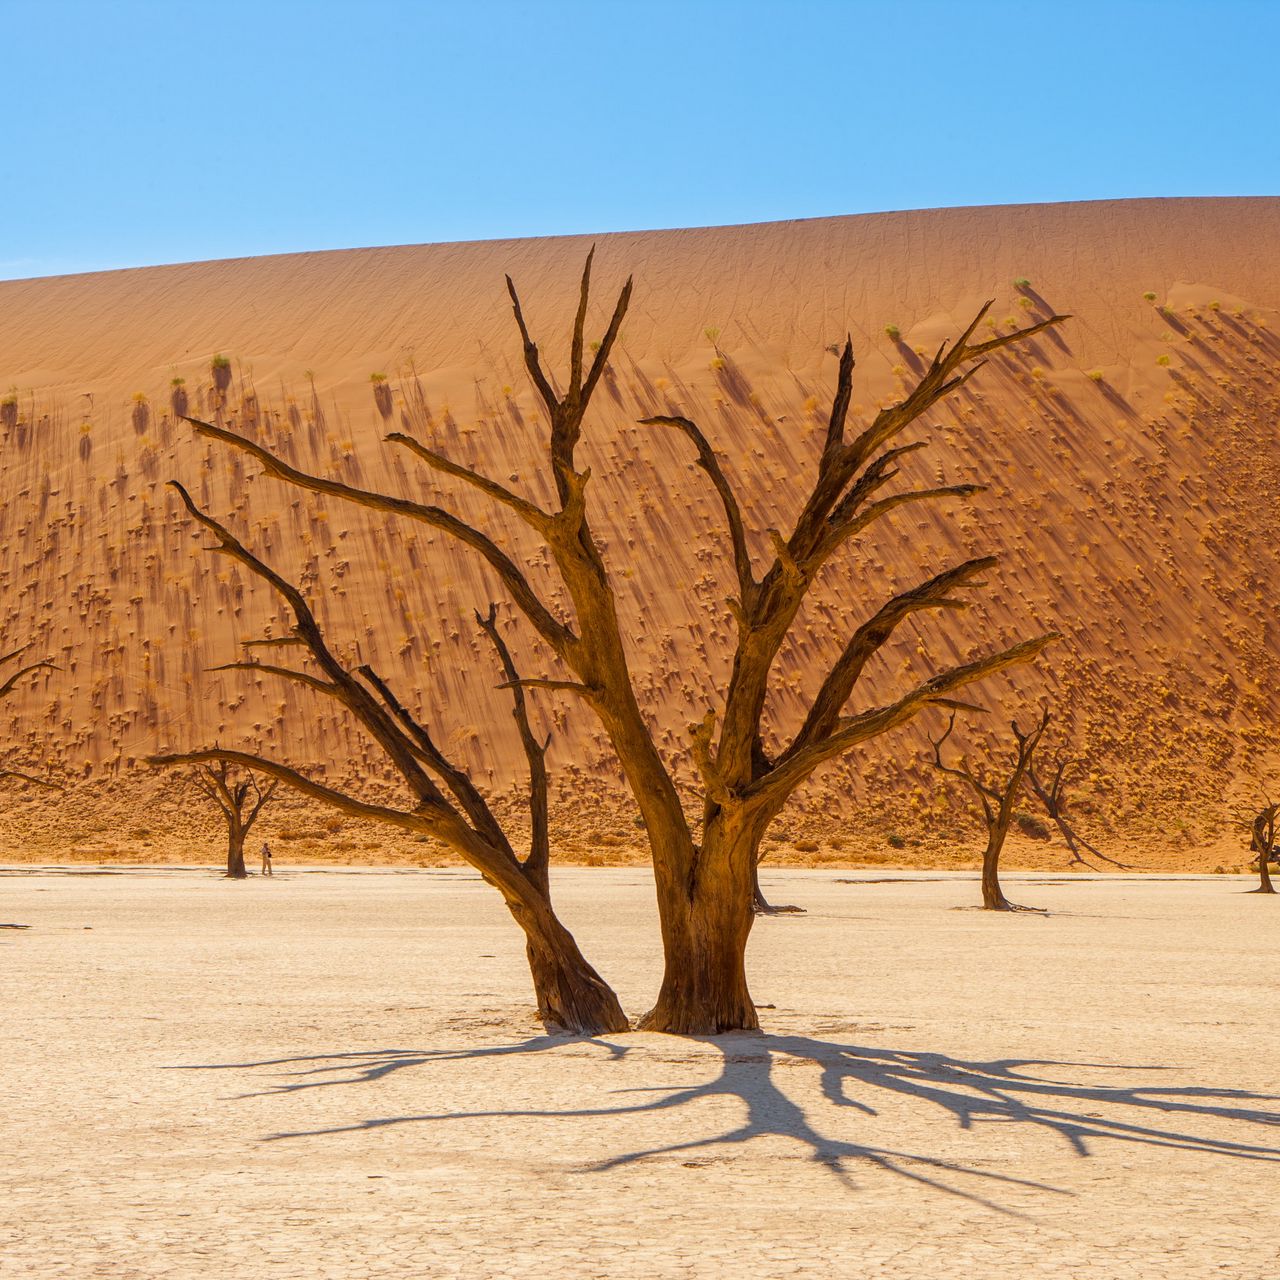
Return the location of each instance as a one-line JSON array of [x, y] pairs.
[[893, 332]]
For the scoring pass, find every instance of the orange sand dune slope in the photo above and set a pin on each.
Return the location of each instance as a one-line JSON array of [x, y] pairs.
[[1131, 461]]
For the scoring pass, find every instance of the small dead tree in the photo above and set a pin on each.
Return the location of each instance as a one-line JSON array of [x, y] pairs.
[[996, 800], [444, 802], [242, 799], [1055, 805], [705, 875], [7, 687], [1263, 842]]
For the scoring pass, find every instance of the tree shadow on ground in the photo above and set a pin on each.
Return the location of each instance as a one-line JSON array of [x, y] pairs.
[[1025, 1092]]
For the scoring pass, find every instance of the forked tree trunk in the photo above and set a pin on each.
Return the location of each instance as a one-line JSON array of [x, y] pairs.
[[235, 852], [704, 939]]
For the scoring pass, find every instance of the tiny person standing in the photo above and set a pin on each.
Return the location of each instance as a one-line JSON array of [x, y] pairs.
[[266, 859]]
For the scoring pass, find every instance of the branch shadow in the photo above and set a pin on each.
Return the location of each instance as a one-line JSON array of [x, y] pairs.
[[1034, 1093]]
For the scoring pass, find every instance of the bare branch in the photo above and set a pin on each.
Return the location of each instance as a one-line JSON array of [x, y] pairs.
[[840, 403], [538, 861], [559, 686], [601, 360], [579, 321], [459, 783], [532, 361], [838, 534], [262, 799], [1054, 805], [349, 690], [9, 684], [285, 673], [871, 636], [964, 772], [556, 634], [298, 781], [530, 513], [28, 777], [851, 730], [712, 779], [710, 463]]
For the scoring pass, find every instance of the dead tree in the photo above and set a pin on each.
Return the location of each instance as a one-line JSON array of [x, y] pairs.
[[7, 687], [705, 876], [1263, 843], [445, 803], [996, 801], [1055, 805], [241, 799]]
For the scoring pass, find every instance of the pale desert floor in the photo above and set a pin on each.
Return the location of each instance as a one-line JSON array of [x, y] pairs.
[[336, 1074]]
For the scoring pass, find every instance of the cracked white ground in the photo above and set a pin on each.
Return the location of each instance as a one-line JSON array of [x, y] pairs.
[[339, 1074]]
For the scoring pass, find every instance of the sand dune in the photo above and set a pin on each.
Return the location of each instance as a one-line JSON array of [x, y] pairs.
[[1131, 462]]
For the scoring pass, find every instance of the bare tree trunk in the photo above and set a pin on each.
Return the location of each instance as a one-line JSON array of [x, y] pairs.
[[1263, 843], [570, 993], [705, 928], [993, 898], [235, 852], [1264, 874]]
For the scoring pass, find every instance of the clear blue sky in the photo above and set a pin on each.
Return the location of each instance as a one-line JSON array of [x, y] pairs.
[[147, 131]]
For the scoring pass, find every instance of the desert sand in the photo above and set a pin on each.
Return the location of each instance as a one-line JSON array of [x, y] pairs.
[[1130, 457], [336, 1074]]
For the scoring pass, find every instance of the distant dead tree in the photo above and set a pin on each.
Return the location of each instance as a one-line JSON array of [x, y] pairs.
[[996, 800], [570, 993], [7, 687], [1262, 841], [241, 798], [1055, 805], [706, 875]]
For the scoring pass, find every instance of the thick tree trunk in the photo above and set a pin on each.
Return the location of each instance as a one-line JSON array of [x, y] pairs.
[[704, 934], [570, 993], [235, 853]]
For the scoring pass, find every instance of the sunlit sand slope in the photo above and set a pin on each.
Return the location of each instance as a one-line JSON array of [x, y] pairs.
[[1130, 458]]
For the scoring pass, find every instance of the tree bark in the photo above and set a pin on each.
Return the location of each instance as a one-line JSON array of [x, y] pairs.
[[705, 927], [1264, 874], [993, 898], [235, 852], [571, 995]]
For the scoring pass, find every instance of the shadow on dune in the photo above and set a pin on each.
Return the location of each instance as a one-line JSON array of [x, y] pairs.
[[854, 1080]]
